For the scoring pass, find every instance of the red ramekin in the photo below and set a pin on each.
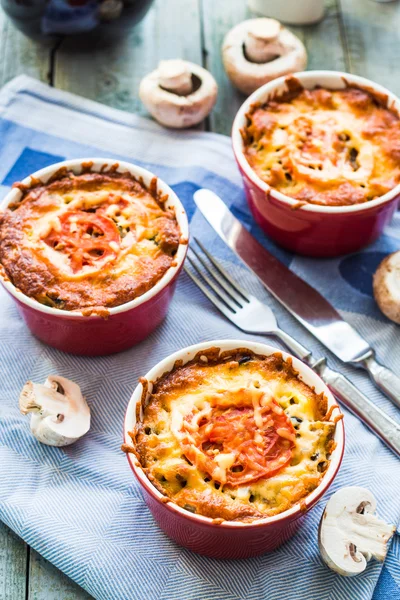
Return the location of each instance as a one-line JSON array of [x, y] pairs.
[[127, 324], [228, 539], [313, 230]]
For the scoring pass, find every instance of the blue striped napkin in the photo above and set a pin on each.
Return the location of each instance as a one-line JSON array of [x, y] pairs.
[[80, 506]]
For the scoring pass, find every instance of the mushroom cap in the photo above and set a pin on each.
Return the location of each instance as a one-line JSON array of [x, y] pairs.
[[386, 285], [283, 52], [350, 533], [60, 414], [174, 110]]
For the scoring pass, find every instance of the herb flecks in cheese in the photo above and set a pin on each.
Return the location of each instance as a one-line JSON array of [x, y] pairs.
[[238, 442]]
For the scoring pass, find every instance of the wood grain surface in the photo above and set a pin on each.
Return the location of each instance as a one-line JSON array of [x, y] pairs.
[[112, 76], [346, 40]]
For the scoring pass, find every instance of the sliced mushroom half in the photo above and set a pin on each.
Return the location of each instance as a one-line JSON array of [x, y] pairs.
[[59, 412], [387, 286], [259, 50], [178, 93], [350, 533]]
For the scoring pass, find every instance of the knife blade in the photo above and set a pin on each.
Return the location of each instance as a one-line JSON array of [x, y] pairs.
[[305, 303]]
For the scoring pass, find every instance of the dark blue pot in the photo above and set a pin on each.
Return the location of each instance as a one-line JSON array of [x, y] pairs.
[[105, 18]]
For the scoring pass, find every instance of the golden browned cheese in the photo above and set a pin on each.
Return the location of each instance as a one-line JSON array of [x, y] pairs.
[[332, 148], [234, 436], [88, 241]]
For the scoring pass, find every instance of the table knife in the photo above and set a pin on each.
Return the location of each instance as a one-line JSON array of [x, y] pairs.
[[305, 303]]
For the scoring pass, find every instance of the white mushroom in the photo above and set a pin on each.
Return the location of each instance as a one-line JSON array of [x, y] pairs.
[[60, 414], [178, 93], [350, 534], [259, 50], [387, 286]]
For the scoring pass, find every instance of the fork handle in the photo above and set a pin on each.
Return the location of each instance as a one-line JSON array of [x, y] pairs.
[[374, 418], [294, 346], [383, 377]]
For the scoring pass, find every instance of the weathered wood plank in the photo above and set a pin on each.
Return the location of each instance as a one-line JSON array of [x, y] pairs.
[[19, 54], [217, 19], [13, 560], [112, 75], [323, 42], [372, 34], [48, 583]]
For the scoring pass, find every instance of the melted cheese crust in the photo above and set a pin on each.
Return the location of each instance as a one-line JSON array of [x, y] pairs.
[[187, 390], [331, 148], [140, 239]]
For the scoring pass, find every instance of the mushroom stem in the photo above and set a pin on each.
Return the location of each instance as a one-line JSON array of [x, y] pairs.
[[261, 39], [175, 77], [29, 402], [369, 536]]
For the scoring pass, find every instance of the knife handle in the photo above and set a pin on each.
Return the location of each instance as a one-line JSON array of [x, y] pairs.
[[384, 378], [359, 404]]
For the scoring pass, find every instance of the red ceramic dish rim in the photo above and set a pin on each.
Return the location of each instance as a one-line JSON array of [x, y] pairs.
[[186, 354], [123, 167], [310, 79]]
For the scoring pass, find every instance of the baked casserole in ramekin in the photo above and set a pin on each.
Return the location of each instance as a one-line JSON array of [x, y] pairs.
[[319, 155], [232, 442], [90, 250]]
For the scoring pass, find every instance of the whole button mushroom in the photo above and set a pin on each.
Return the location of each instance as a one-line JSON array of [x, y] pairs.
[[60, 414], [178, 93], [259, 50], [350, 534], [387, 286]]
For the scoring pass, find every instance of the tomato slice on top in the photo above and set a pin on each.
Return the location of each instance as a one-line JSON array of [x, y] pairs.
[[229, 437], [86, 238]]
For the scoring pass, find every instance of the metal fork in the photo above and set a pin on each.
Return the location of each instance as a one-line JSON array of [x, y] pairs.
[[252, 316], [240, 307]]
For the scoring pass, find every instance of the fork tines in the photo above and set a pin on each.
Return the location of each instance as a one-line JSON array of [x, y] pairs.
[[214, 281]]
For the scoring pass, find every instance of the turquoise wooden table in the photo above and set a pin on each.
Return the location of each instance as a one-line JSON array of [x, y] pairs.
[[360, 36]]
